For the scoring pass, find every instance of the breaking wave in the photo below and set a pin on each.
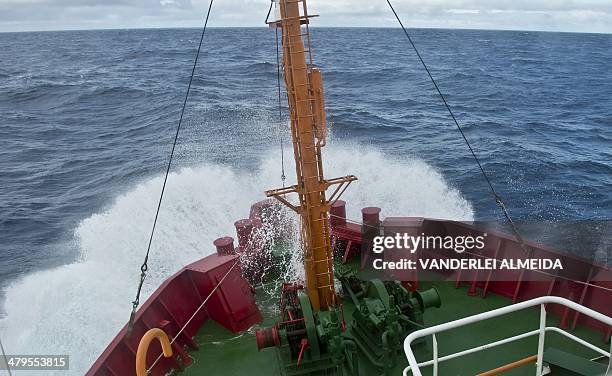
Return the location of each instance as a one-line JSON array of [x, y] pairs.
[[77, 309]]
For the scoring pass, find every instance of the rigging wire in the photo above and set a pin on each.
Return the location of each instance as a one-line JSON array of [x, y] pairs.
[[278, 79], [8, 368], [280, 106], [144, 267], [497, 197]]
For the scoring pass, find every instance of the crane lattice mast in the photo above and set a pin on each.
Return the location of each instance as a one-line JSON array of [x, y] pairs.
[[308, 131]]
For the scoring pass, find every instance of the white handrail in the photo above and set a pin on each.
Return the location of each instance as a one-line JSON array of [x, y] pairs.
[[509, 340], [541, 334], [414, 366]]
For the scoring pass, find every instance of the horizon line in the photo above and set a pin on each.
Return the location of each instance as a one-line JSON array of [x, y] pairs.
[[312, 27]]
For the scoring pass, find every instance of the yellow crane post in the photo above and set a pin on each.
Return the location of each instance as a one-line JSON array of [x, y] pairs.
[[304, 86]]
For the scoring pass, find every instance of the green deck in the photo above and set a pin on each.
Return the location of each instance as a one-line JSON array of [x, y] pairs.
[[224, 353]]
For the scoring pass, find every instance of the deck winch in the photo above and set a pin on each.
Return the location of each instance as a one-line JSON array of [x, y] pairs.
[[308, 342], [385, 313], [364, 334]]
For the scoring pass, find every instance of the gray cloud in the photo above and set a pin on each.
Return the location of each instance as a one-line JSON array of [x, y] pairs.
[[551, 15]]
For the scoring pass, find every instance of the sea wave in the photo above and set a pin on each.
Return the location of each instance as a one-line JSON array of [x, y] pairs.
[[81, 306]]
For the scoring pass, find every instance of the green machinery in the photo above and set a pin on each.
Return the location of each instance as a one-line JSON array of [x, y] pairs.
[[361, 335]]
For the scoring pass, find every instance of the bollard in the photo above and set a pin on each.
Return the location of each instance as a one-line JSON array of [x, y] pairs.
[[370, 228], [337, 214], [371, 216], [244, 228], [225, 246]]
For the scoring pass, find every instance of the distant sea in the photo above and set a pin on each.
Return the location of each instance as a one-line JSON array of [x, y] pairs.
[[87, 120]]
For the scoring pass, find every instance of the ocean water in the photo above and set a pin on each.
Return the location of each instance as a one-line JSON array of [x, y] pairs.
[[87, 120]]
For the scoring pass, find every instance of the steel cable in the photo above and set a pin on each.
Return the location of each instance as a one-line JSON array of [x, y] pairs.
[[144, 267], [497, 197], [280, 108]]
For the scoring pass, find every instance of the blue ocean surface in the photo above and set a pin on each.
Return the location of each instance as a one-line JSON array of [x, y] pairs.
[[88, 117]]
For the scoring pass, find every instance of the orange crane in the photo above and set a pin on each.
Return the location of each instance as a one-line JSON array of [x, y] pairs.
[[304, 86]]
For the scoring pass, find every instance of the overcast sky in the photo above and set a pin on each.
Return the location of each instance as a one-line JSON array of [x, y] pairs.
[[549, 15]]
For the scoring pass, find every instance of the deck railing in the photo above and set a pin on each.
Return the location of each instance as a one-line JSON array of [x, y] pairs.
[[541, 332]]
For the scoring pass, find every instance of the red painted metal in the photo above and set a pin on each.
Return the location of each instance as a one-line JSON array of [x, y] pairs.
[[225, 245], [347, 252], [371, 216], [337, 214], [485, 289], [232, 305], [244, 229], [263, 211], [303, 346], [267, 337], [370, 228], [585, 288], [350, 231], [594, 288], [410, 226]]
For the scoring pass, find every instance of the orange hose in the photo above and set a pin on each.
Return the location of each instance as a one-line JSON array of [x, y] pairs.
[[509, 366], [143, 348]]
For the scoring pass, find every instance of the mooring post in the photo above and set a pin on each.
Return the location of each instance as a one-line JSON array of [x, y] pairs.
[[225, 246]]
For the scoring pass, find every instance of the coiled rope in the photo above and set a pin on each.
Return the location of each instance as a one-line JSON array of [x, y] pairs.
[[144, 267], [497, 197]]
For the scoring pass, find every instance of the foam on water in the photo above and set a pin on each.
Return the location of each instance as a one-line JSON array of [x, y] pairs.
[[76, 309]]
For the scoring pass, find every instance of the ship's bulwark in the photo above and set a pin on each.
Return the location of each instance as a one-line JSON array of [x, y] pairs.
[[231, 305], [579, 279]]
